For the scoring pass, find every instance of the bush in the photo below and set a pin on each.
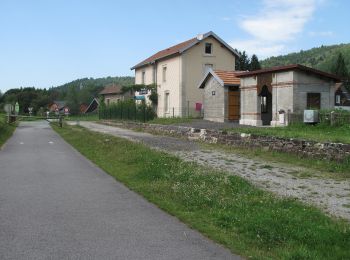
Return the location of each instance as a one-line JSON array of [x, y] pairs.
[[127, 110]]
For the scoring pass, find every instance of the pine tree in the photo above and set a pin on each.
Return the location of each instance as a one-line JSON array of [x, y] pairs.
[[339, 68], [254, 63], [242, 63]]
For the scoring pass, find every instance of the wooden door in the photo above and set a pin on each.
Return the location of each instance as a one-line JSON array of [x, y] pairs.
[[234, 105]]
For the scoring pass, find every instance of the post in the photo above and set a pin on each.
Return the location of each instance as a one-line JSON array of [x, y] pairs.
[[173, 112], [188, 109], [332, 118], [144, 114], [60, 120]]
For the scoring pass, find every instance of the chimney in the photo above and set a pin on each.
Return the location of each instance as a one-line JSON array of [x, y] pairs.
[[200, 37]]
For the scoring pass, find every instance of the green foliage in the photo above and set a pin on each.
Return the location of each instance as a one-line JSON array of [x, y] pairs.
[[254, 63], [226, 208], [322, 58], [243, 63], [339, 68], [127, 110], [6, 130]]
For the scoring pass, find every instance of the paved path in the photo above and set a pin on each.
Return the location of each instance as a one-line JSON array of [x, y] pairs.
[[55, 204], [332, 196]]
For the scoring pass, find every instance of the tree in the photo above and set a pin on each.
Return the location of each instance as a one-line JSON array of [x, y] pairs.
[[242, 63], [254, 63], [73, 100], [339, 68]]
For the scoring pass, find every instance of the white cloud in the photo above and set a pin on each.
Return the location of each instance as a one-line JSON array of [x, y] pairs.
[[321, 34], [279, 22]]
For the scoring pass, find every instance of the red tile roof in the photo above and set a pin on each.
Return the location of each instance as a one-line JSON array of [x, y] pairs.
[[179, 48], [167, 52], [289, 67], [111, 89], [228, 77]]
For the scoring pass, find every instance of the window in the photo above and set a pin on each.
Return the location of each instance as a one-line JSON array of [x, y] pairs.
[[213, 93], [207, 67], [208, 48], [313, 101], [263, 104], [143, 77], [164, 74], [166, 102], [143, 91], [337, 99], [107, 101]]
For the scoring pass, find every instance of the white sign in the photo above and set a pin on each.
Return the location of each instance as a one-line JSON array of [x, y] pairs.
[[8, 108]]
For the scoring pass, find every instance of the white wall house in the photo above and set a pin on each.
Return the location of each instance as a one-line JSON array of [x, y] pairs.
[[177, 70]]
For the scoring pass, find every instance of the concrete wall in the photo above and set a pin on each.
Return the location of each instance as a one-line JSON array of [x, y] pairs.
[[250, 102], [171, 86], [194, 60], [312, 84], [214, 105]]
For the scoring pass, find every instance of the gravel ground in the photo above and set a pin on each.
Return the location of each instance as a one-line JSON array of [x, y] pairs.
[[204, 124], [331, 196]]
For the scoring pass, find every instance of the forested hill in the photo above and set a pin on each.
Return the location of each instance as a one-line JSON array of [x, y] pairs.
[[323, 58], [97, 83]]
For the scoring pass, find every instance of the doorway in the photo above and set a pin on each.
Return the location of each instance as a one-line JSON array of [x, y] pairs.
[[233, 105], [266, 105]]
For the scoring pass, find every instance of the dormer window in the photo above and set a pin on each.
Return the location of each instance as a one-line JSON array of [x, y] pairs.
[[208, 48]]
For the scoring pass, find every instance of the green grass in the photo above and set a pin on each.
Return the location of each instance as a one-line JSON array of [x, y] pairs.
[[84, 117], [6, 130], [227, 209], [171, 120], [319, 133]]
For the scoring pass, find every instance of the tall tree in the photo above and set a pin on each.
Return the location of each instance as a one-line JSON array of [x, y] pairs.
[[254, 63], [242, 63], [339, 68]]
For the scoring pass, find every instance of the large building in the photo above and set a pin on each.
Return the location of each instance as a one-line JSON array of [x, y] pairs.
[[177, 70]]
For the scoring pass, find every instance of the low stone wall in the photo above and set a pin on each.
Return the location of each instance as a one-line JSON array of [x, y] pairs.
[[302, 148]]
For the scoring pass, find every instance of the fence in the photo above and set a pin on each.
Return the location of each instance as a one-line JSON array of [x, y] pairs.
[[127, 111], [334, 118]]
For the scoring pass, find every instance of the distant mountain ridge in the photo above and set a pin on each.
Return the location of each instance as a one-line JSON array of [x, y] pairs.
[[322, 58]]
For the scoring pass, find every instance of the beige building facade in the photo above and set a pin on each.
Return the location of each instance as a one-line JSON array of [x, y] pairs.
[[267, 94], [177, 71]]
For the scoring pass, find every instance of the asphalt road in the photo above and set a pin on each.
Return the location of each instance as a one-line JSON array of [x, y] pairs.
[[55, 204]]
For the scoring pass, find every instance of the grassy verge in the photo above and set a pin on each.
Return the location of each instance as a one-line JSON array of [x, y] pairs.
[[319, 133], [5, 130], [171, 120], [227, 209], [88, 117]]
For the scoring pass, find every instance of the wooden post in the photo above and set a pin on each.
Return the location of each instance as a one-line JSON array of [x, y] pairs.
[[332, 118]]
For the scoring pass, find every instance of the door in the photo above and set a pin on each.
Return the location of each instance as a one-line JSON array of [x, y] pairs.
[[234, 105], [266, 105]]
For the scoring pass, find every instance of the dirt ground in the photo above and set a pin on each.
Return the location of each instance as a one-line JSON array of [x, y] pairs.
[[331, 196]]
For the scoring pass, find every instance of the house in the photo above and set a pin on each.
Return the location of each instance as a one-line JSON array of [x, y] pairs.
[[92, 107], [177, 70], [58, 106], [113, 93], [342, 97], [221, 95], [266, 93]]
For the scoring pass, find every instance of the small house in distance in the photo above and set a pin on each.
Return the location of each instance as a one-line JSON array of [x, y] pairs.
[[221, 95], [114, 93], [342, 97], [58, 106], [267, 93]]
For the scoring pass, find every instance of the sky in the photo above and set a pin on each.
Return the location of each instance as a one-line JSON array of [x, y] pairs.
[[45, 43]]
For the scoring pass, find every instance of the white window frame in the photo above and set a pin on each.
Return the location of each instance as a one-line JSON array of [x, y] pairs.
[[166, 102], [143, 77], [205, 49], [337, 99], [164, 73]]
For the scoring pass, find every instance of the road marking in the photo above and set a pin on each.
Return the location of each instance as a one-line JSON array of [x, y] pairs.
[[21, 143], [50, 142]]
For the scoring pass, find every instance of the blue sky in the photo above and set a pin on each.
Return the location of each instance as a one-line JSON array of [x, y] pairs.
[[46, 43]]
